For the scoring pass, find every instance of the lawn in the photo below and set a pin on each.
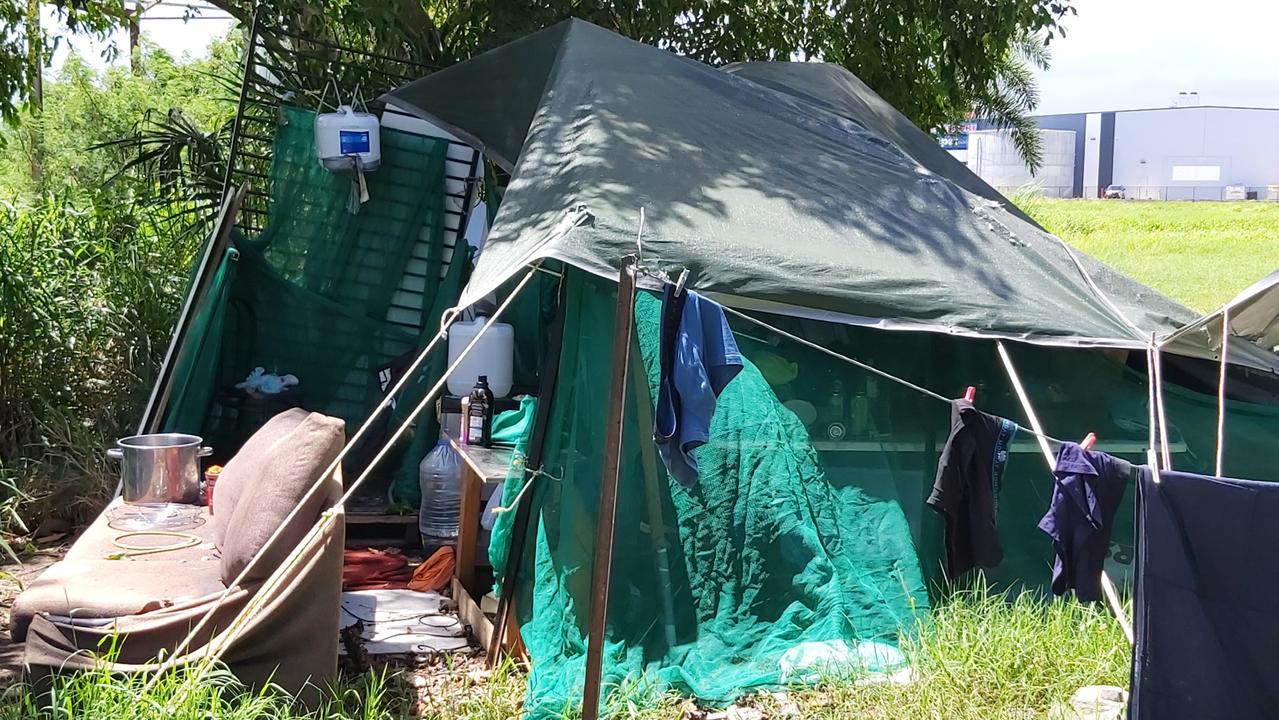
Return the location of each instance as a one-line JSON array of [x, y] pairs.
[[1200, 253]]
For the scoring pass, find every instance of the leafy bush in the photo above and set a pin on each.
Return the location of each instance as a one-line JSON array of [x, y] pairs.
[[88, 294]]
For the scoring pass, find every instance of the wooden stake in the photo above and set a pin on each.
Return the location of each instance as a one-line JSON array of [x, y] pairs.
[[623, 325]]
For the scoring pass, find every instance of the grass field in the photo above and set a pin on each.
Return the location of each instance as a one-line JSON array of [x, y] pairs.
[[1200, 253]]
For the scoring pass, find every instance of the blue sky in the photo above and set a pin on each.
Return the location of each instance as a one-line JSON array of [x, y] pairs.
[[1117, 54]]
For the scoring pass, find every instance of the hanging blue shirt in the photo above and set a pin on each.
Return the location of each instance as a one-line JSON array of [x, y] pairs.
[[1086, 496], [698, 358]]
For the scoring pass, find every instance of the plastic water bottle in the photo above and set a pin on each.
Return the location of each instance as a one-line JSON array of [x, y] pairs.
[[440, 476]]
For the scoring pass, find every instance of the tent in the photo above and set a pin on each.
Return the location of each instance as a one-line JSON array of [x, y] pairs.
[[794, 196]]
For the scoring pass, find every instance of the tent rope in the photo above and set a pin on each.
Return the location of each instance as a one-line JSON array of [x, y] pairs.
[[1097, 290], [1037, 432], [319, 483]]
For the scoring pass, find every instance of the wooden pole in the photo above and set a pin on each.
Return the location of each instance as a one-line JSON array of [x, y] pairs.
[[1221, 389], [623, 325]]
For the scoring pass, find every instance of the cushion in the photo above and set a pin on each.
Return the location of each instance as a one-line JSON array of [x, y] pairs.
[[287, 471], [244, 470], [87, 585]]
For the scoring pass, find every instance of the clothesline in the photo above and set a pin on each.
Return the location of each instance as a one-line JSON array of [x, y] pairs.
[[868, 368]]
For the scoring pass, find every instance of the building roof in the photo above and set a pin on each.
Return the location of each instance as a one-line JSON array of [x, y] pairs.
[[1151, 109]]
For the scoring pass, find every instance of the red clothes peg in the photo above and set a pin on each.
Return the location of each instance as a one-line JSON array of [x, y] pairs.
[[1089, 440], [970, 394]]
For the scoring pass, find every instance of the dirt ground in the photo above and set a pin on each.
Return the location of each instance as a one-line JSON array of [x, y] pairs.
[[13, 578]]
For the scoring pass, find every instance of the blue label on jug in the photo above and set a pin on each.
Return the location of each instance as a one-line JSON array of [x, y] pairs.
[[353, 141]]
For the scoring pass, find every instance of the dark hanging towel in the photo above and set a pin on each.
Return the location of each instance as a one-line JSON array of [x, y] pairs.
[[1086, 494], [1206, 615], [966, 491]]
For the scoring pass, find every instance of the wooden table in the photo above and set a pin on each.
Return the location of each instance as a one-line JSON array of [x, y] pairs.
[[483, 472]]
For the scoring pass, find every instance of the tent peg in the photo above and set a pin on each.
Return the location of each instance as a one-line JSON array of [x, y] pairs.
[[970, 394], [1089, 440]]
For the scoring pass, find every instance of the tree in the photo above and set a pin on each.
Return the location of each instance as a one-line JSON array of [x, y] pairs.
[[1014, 94], [935, 60], [26, 46]]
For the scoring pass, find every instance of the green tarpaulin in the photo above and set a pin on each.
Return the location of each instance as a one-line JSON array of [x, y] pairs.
[[716, 585], [833, 209]]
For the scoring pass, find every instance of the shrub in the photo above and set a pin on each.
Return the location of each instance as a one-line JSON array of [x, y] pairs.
[[88, 294]]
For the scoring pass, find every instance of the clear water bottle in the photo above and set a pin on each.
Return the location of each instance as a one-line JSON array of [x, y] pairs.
[[440, 476]]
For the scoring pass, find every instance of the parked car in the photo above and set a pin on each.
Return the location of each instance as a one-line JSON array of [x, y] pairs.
[[1115, 192]]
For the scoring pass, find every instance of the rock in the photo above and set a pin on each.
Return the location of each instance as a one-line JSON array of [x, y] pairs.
[[1095, 702], [743, 713]]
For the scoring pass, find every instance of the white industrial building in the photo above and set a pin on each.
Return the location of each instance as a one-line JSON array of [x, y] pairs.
[[1185, 152], [993, 155]]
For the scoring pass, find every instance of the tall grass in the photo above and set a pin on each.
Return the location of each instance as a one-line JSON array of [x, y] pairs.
[[978, 656], [218, 696], [87, 299], [987, 657]]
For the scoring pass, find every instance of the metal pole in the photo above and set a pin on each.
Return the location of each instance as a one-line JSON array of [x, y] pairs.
[[250, 51], [623, 325], [217, 245], [1221, 389]]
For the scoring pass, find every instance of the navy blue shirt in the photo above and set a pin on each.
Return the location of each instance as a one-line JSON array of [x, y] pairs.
[[698, 358], [1089, 486]]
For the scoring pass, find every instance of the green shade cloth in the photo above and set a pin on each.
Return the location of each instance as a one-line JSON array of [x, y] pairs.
[[833, 209], [712, 585], [791, 535], [196, 363], [510, 426], [326, 295]]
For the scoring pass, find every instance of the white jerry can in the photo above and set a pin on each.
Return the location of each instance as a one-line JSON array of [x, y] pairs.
[[343, 136]]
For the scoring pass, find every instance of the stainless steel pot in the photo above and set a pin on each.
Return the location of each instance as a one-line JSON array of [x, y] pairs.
[[160, 467]]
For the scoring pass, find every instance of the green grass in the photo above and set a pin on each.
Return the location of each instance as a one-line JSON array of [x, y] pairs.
[[976, 657], [1199, 253], [981, 657]]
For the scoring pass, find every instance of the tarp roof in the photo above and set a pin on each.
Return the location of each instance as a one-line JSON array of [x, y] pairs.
[[1254, 324], [788, 186]]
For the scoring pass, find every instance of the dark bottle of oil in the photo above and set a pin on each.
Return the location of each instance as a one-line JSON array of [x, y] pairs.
[[479, 415]]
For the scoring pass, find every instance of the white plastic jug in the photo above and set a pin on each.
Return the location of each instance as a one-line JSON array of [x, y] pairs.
[[342, 136], [492, 356]]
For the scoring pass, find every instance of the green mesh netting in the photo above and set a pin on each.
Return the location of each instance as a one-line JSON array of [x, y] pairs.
[[792, 537], [326, 295], [712, 585]]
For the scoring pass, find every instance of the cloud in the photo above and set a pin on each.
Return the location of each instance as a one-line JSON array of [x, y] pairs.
[[1141, 53]]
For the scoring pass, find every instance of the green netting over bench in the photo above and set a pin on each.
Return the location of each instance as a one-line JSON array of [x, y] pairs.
[[793, 538], [326, 295]]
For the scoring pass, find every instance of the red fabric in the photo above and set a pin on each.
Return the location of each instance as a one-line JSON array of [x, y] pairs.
[[369, 569]]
